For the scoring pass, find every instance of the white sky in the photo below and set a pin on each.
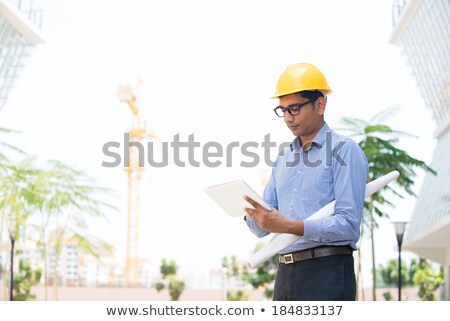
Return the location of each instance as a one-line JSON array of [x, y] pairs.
[[208, 68]]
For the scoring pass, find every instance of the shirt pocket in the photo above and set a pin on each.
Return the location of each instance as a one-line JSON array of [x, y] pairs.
[[317, 186]]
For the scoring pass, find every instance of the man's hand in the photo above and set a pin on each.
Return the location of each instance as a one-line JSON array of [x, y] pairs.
[[273, 221]]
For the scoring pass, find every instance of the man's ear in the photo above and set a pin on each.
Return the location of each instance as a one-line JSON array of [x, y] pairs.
[[320, 105]]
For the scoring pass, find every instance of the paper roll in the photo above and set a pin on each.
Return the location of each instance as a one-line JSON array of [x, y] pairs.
[[284, 240]]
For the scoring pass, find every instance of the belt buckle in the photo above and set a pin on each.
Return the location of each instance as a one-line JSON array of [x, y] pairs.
[[288, 258]]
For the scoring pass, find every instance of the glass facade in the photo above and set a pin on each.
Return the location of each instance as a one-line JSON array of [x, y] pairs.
[[425, 42], [422, 31], [433, 203], [15, 48]]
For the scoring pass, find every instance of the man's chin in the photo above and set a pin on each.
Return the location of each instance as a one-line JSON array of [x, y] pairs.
[[295, 131]]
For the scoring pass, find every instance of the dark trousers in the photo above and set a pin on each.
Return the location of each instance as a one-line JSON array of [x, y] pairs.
[[329, 278]]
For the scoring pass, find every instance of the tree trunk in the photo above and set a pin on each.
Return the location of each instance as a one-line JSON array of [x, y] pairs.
[[4, 264], [11, 281], [55, 278], [374, 270], [5, 277], [44, 225], [45, 268], [359, 280]]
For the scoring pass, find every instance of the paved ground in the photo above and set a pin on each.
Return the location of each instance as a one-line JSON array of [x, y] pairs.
[[145, 294]]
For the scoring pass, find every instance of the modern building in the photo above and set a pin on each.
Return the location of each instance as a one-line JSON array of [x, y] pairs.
[[20, 22], [422, 31], [75, 268]]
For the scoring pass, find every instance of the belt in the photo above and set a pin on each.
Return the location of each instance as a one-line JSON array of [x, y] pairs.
[[314, 253]]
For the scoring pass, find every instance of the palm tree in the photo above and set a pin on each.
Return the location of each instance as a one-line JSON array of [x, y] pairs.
[[60, 195], [5, 167], [4, 170], [7, 145], [65, 198], [378, 141], [15, 205]]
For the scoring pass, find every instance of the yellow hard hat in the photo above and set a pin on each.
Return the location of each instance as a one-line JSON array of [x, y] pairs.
[[300, 77]]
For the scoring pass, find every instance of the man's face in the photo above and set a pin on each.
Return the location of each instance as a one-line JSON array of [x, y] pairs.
[[309, 121]]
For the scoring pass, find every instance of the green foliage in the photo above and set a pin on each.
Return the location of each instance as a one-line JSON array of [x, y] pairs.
[[62, 198], [16, 194], [428, 280], [65, 197], [413, 267], [24, 280], [7, 146], [233, 269], [264, 274], [159, 286], [225, 261], [175, 285], [168, 268], [236, 271], [378, 142], [234, 266], [387, 296], [268, 292], [419, 273], [261, 277], [238, 295], [388, 275]]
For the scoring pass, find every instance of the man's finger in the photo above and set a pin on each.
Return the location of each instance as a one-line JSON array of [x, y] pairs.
[[250, 211], [252, 202]]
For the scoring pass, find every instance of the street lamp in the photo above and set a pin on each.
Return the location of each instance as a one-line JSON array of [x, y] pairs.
[[399, 231], [12, 229]]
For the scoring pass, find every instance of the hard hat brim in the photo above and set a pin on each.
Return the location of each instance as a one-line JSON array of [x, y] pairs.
[[327, 92]]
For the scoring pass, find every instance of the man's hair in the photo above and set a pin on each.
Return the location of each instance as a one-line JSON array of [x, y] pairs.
[[311, 94]]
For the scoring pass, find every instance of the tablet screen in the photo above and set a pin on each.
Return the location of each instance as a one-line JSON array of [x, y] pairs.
[[229, 196]]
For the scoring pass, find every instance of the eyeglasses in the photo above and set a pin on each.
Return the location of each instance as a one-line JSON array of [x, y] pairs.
[[293, 109]]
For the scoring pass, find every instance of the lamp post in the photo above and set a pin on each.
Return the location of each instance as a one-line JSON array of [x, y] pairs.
[[12, 227], [399, 231]]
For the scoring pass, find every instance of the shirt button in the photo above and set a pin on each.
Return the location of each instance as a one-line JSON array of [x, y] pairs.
[[295, 190], [290, 208], [298, 172]]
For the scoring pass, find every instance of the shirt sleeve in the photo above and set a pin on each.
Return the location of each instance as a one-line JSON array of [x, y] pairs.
[[350, 169], [270, 197]]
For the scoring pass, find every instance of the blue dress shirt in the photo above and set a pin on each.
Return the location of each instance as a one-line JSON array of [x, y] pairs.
[[303, 181]]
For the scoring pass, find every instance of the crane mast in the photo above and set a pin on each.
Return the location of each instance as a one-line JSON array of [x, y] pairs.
[[134, 172]]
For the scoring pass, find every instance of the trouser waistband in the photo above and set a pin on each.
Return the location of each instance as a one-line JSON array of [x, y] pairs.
[[314, 253]]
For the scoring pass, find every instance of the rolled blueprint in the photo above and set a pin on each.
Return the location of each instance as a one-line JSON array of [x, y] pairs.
[[284, 240]]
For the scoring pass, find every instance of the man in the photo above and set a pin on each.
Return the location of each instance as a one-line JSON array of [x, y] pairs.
[[319, 166]]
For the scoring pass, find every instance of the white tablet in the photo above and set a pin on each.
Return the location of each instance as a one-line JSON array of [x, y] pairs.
[[230, 197]]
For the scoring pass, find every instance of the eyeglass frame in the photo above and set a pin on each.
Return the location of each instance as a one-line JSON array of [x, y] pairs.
[[289, 108]]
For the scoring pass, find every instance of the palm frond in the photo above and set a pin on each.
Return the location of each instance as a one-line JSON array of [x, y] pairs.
[[382, 116]]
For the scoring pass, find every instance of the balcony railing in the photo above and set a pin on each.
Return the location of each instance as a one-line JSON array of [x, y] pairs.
[[31, 9], [397, 9]]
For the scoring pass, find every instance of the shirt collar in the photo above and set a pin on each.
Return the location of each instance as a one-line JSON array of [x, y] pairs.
[[319, 140]]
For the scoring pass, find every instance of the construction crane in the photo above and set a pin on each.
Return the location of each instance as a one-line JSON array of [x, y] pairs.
[[138, 131]]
